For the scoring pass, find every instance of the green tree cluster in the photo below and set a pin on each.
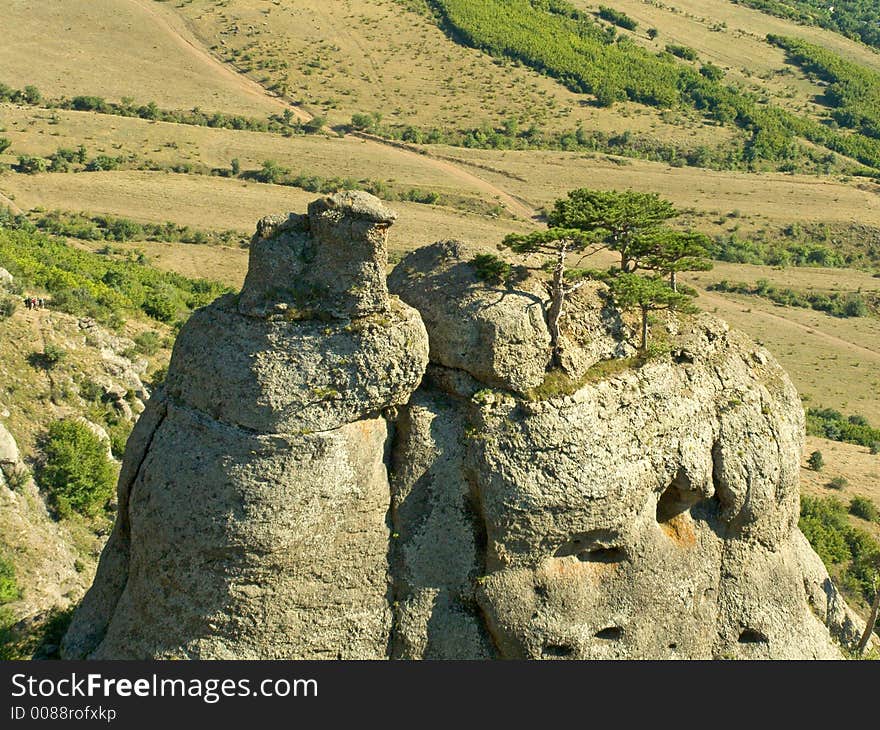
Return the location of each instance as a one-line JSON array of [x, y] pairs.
[[77, 473], [630, 223], [833, 425], [85, 283]]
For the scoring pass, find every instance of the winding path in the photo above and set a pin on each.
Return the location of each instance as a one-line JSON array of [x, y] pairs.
[[812, 331], [9, 203], [173, 25]]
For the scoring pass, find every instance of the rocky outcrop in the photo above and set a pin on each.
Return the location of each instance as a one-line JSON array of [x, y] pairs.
[[307, 485], [648, 513], [46, 566], [254, 494], [499, 334]]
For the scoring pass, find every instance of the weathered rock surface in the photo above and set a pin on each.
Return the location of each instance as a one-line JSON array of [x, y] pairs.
[[651, 514], [499, 334], [6, 279], [254, 494], [9, 454], [307, 485]]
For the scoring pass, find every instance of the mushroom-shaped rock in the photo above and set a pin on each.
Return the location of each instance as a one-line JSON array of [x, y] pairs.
[[254, 492]]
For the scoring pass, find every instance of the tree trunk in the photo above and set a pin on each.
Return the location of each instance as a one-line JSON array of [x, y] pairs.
[[673, 281], [556, 302], [872, 621], [644, 329]]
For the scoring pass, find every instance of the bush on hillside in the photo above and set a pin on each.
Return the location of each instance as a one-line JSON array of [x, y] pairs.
[[77, 474], [838, 483], [824, 523], [8, 306], [8, 587], [864, 508], [31, 165]]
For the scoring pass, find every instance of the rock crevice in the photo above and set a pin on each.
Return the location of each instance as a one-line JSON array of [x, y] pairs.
[[340, 467]]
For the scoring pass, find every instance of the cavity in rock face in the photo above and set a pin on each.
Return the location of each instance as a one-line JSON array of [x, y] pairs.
[[651, 513], [254, 494], [308, 485]]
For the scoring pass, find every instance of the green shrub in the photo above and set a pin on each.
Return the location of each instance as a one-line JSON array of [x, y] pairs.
[[823, 522], [31, 165], [5, 143], [102, 163], [8, 305], [51, 356], [831, 424], [76, 474], [816, 461], [864, 508], [148, 343], [9, 590], [158, 305], [271, 172], [854, 551], [362, 121], [684, 52], [314, 125], [617, 17], [838, 482], [31, 95], [490, 268]]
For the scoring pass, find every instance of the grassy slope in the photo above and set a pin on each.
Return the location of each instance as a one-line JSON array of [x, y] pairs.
[[69, 47], [375, 55], [536, 177], [378, 55]]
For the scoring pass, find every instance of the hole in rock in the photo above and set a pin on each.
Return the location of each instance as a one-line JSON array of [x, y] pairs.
[[752, 636], [557, 650], [676, 500], [611, 633], [682, 356], [595, 546], [673, 646]]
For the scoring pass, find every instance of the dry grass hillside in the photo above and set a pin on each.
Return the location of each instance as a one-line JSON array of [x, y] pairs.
[[338, 58], [381, 54]]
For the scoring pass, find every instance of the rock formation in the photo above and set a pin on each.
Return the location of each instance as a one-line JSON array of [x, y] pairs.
[[307, 485], [44, 559], [253, 496]]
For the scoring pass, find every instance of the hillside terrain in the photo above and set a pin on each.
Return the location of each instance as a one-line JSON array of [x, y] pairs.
[[217, 112]]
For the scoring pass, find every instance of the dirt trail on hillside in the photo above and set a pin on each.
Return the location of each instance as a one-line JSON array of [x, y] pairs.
[[176, 27], [8, 203], [513, 205], [812, 331], [172, 23]]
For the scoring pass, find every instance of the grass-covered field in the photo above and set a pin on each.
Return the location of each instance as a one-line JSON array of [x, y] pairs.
[[509, 147]]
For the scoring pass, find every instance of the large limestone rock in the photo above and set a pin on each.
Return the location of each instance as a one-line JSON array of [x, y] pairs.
[[308, 485], [254, 493], [498, 333], [651, 513]]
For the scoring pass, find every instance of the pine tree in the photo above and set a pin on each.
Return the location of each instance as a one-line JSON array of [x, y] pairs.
[[626, 220]]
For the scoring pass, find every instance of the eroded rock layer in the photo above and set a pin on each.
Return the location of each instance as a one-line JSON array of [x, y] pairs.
[[254, 494], [308, 485]]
